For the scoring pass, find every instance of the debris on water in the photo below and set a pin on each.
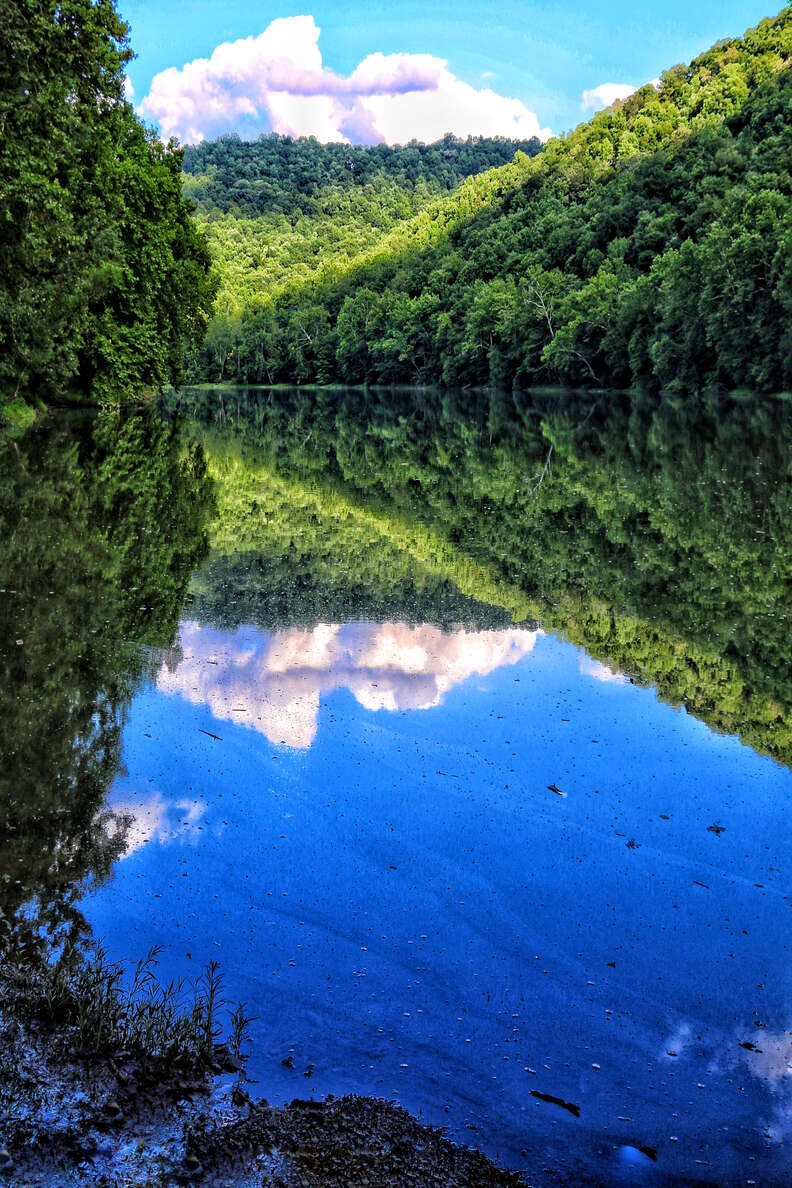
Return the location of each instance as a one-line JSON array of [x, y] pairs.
[[209, 733], [557, 1101], [716, 828], [704, 885], [288, 1061], [632, 844], [649, 1152], [553, 788], [750, 1047]]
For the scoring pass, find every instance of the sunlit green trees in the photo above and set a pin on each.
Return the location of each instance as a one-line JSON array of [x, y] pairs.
[[650, 247]]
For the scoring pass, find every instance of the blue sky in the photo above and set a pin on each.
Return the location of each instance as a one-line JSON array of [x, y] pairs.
[[543, 56]]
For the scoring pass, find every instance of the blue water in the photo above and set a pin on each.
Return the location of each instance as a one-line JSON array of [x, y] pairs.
[[371, 849]]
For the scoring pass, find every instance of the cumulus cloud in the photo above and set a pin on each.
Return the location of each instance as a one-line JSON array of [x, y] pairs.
[[276, 82], [607, 93], [273, 684]]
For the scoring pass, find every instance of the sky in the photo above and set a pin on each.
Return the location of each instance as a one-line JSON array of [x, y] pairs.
[[370, 72]]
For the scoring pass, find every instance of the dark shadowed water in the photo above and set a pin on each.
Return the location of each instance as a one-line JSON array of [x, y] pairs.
[[458, 731]]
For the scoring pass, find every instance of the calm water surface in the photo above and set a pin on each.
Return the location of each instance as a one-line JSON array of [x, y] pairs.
[[466, 753]]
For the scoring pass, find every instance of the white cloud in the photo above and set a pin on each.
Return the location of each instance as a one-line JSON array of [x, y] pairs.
[[273, 684], [606, 94], [276, 82], [129, 90]]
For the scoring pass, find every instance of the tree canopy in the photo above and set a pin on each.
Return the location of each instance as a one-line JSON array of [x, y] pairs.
[[104, 275], [279, 211]]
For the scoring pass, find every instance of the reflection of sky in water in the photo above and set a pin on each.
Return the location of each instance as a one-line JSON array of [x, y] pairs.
[[274, 683], [409, 908]]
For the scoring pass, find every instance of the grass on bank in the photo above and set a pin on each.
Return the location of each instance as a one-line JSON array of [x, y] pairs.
[[94, 1010]]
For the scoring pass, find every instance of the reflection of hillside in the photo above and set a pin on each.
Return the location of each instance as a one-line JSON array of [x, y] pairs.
[[274, 590], [88, 591], [293, 517], [657, 538], [273, 684]]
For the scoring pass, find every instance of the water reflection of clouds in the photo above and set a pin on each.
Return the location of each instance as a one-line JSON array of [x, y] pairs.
[[599, 671], [152, 818], [273, 683], [771, 1061], [767, 1055], [677, 1042]]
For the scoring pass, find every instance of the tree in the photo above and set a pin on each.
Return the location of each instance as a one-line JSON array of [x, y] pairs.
[[105, 279]]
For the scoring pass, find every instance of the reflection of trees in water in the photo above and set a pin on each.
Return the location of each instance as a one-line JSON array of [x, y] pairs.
[[102, 520], [654, 534]]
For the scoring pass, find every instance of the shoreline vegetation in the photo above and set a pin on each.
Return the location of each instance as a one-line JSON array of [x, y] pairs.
[[105, 276], [107, 1079]]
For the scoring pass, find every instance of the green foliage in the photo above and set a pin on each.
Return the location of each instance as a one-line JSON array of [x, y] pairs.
[[309, 524], [17, 416], [651, 247], [281, 175], [104, 274], [282, 214], [86, 1004]]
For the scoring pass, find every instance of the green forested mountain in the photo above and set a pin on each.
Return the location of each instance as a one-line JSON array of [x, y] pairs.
[[281, 175], [278, 212], [103, 274], [653, 246]]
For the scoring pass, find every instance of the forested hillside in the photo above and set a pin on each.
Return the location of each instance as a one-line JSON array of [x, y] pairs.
[[104, 277], [651, 246], [281, 175], [278, 210]]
